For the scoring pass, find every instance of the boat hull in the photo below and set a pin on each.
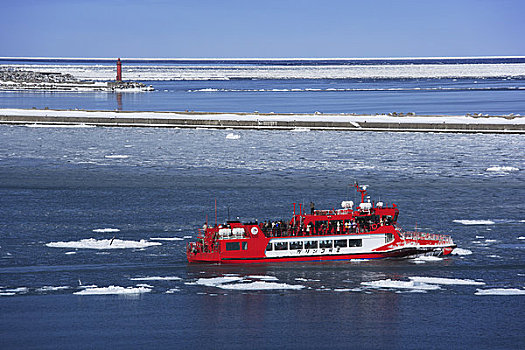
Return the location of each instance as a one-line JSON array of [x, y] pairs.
[[397, 253]]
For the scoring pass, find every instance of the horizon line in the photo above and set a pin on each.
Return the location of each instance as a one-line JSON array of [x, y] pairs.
[[253, 58]]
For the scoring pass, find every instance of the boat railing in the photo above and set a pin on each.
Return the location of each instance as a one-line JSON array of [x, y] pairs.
[[421, 237]]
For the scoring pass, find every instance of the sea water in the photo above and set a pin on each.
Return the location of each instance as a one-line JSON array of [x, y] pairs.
[[94, 223]]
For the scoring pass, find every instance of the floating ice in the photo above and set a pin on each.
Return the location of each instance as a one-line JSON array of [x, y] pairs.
[[232, 136], [500, 291], [461, 251], [70, 253], [306, 280], [106, 230], [116, 156], [93, 243], [6, 294], [166, 239], [474, 222], [21, 290], [172, 290], [347, 289], [113, 290], [491, 240], [259, 285], [521, 237], [156, 278], [448, 281], [216, 281], [388, 283], [251, 69], [502, 169], [187, 237], [52, 288]]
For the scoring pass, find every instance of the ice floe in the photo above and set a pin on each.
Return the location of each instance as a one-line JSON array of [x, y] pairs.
[[103, 230], [172, 290], [250, 69], [521, 237], [187, 237], [216, 281], [51, 288], [475, 222], [259, 285], [92, 243], [112, 290], [13, 291], [461, 251], [300, 279], [116, 156], [500, 291], [156, 278], [502, 169], [448, 281], [232, 136], [394, 284]]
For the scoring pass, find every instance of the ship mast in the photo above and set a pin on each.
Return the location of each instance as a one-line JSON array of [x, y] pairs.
[[361, 190]]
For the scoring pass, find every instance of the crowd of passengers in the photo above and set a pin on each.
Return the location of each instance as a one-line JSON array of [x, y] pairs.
[[282, 229]]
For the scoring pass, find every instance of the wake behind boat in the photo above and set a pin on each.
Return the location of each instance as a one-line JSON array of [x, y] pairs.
[[368, 231]]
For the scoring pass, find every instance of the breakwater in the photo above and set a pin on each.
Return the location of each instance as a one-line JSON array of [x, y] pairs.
[[342, 122]]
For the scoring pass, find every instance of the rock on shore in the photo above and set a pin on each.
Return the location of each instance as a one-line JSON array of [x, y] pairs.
[[16, 79]]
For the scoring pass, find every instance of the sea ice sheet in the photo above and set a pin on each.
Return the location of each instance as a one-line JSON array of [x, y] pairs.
[[92, 243]]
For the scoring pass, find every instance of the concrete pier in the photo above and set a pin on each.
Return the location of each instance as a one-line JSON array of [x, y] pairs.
[[340, 122]]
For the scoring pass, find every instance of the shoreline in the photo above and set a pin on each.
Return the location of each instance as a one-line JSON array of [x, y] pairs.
[[266, 121]]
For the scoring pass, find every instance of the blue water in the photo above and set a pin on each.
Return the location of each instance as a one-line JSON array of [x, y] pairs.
[[59, 185]]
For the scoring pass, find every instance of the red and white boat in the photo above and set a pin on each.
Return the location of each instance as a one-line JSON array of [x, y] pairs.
[[368, 231]]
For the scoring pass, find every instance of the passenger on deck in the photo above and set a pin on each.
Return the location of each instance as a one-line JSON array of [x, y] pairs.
[[312, 208]]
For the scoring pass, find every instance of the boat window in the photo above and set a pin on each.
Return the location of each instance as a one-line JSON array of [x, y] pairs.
[[389, 237], [281, 245], [325, 244], [269, 247], [244, 245], [310, 245], [340, 243], [355, 242], [233, 246], [296, 245]]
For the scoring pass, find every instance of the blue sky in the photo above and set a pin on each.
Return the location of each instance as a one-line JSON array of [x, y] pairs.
[[269, 28]]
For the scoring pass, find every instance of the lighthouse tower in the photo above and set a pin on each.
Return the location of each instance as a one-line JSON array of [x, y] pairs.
[[119, 70]]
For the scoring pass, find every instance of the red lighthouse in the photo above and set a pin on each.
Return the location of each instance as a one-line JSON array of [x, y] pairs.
[[119, 70]]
